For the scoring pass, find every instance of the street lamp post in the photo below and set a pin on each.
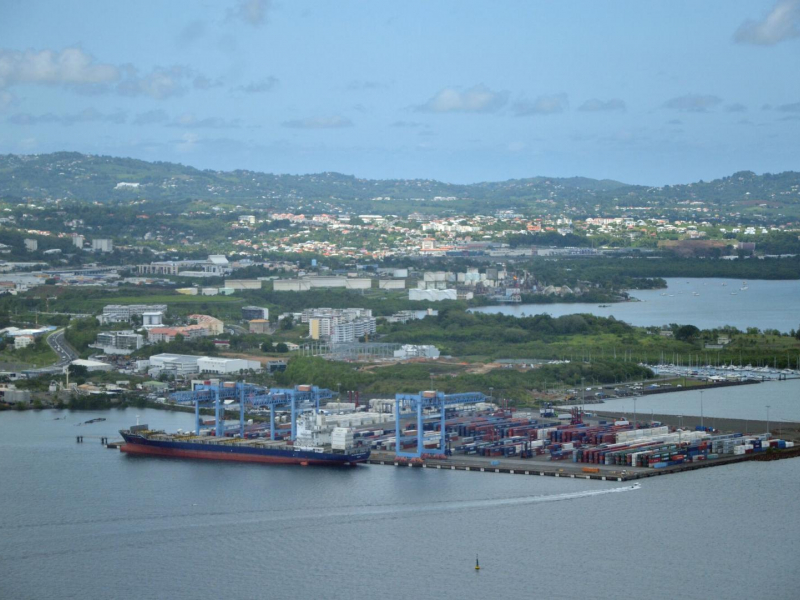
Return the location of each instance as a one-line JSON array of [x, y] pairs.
[[702, 424], [768, 418]]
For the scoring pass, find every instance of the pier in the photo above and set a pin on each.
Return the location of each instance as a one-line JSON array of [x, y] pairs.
[[573, 470]]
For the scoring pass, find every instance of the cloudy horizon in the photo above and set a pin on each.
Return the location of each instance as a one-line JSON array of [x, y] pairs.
[[454, 91]]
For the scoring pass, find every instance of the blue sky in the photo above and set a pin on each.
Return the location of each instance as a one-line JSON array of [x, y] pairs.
[[644, 92]]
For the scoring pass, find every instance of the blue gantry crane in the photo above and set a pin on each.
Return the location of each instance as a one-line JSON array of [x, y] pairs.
[[417, 403], [297, 398]]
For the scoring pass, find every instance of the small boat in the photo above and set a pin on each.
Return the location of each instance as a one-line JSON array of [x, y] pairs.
[[477, 564]]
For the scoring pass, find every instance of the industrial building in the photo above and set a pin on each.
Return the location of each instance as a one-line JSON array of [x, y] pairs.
[[180, 365], [215, 265], [92, 365], [307, 283], [222, 366], [243, 284], [177, 365], [413, 351], [432, 295], [392, 284], [11, 395]]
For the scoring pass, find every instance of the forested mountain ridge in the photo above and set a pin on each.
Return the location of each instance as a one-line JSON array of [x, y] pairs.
[[71, 175]]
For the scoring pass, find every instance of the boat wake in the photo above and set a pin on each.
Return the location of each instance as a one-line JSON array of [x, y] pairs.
[[255, 523], [492, 503]]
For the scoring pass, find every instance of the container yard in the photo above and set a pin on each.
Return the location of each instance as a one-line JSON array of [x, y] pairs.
[[482, 437], [467, 431]]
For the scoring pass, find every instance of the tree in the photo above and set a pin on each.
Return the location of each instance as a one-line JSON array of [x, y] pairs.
[[287, 323], [686, 333], [78, 373], [282, 348], [268, 347]]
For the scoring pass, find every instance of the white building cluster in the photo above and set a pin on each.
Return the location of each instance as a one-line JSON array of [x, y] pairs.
[[122, 313], [339, 325], [119, 342], [182, 365]]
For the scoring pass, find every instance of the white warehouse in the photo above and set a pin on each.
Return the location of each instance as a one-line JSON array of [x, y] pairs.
[[224, 366]]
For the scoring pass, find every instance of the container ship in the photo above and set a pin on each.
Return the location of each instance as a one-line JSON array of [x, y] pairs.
[[315, 444]]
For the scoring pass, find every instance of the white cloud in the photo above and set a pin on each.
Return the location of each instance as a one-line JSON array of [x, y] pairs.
[[71, 67], [543, 105], [781, 23], [6, 100], [595, 105], [335, 122], [194, 31], [408, 124], [187, 142], [87, 115], [201, 82], [252, 12], [76, 69], [160, 83], [477, 99], [736, 107], [794, 107], [151, 117], [267, 84], [190, 121], [693, 103], [358, 85]]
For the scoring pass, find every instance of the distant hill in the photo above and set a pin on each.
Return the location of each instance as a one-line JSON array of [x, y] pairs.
[[71, 175]]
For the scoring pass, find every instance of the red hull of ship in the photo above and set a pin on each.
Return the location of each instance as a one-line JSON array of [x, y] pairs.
[[176, 453]]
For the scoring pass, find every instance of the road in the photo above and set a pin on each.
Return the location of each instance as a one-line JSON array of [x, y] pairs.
[[61, 347], [63, 350]]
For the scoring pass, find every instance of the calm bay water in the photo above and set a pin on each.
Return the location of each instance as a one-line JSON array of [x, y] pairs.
[[80, 521], [764, 304], [744, 402]]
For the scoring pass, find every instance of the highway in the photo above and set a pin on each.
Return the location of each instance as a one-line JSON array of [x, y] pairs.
[[63, 350]]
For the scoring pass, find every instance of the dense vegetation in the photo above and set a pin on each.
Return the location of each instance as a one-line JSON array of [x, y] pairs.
[[409, 378], [70, 175]]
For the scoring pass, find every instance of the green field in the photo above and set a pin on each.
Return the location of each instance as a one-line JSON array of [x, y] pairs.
[[35, 355]]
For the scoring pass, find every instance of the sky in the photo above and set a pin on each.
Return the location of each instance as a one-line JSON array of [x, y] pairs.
[[656, 92]]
